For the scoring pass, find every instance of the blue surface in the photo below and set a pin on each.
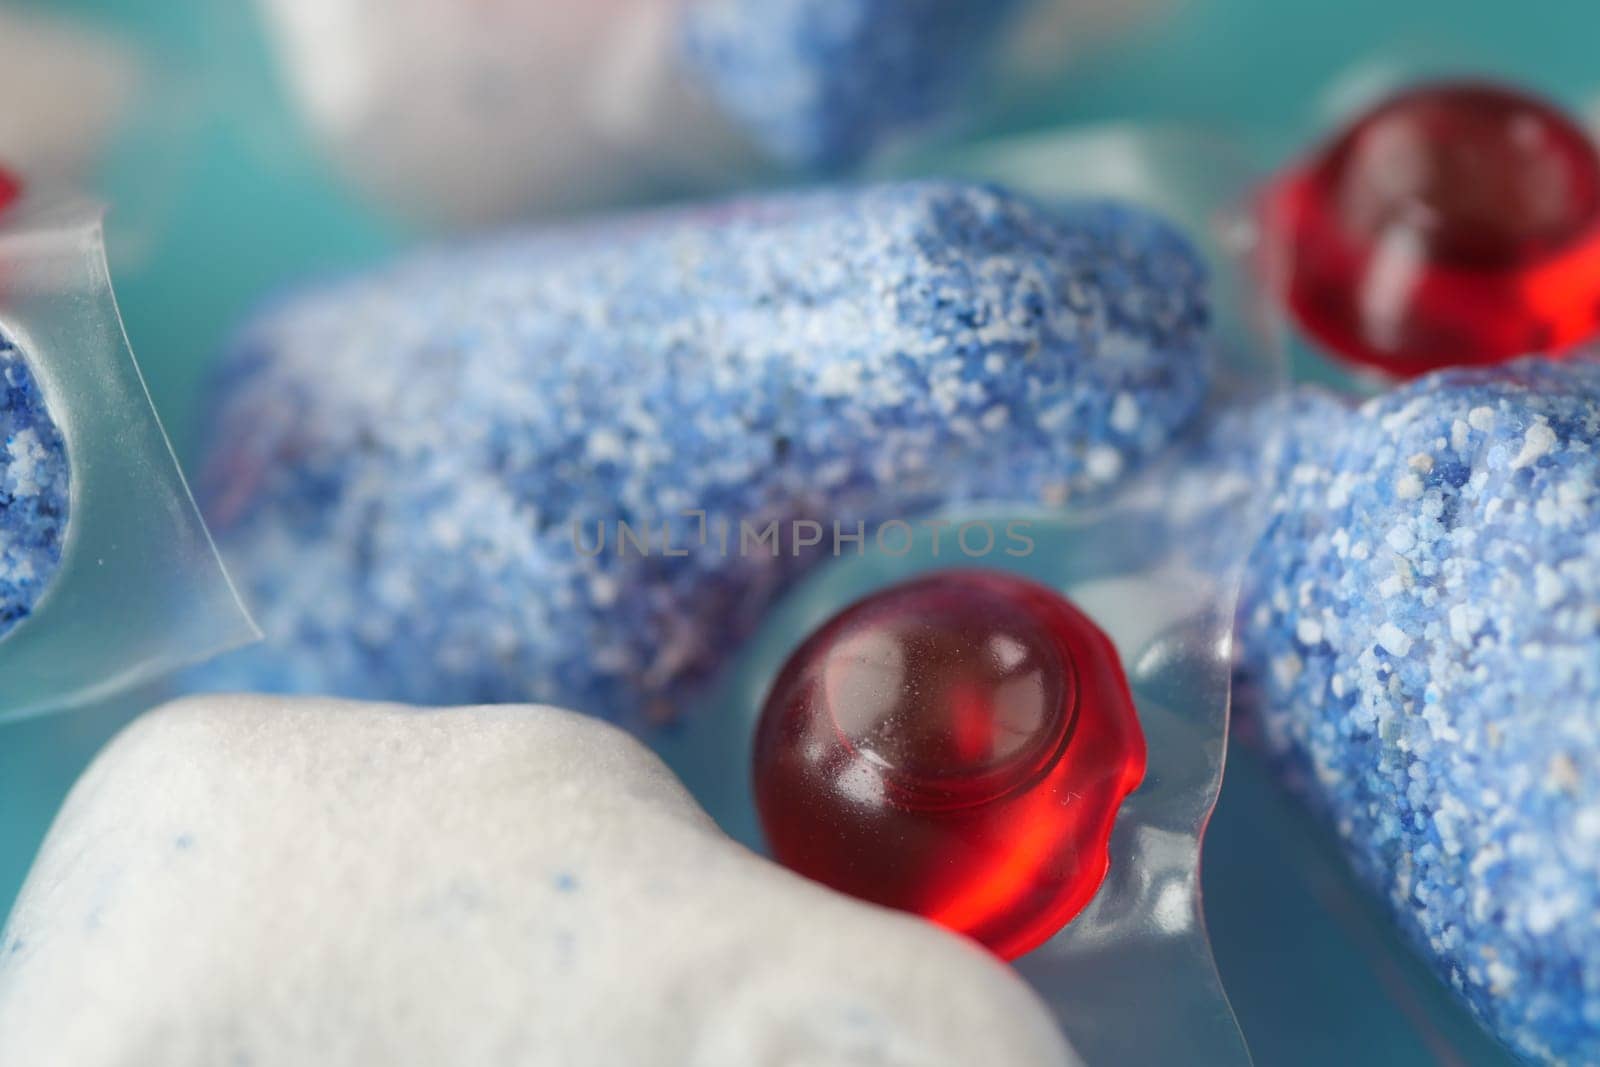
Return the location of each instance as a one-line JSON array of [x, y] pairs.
[[1313, 970], [1431, 564], [422, 475], [33, 489]]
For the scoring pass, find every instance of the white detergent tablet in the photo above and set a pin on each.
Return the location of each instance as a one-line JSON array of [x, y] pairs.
[[318, 883]]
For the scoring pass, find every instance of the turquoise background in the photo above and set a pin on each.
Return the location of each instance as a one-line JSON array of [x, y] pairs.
[[224, 200]]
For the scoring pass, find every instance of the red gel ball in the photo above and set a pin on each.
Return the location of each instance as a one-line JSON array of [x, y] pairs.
[[957, 747], [1455, 223]]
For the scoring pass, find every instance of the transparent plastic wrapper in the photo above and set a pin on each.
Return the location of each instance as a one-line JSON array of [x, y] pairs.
[[468, 114], [110, 575], [1130, 979]]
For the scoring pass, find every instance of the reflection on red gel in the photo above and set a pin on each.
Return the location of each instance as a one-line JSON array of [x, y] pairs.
[[1455, 223], [10, 188], [957, 747]]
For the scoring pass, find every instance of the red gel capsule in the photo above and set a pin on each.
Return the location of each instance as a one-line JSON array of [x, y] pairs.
[[957, 747], [1456, 223]]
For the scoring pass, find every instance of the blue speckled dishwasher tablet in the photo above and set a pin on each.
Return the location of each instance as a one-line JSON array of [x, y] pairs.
[[34, 480], [821, 83], [1421, 650], [399, 461]]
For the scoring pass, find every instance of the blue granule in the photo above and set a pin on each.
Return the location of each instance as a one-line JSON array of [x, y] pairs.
[[1420, 650], [33, 490], [409, 469], [820, 83]]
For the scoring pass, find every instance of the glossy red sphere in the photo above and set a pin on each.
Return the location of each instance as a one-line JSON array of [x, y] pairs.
[[1452, 224], [957, 747]]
